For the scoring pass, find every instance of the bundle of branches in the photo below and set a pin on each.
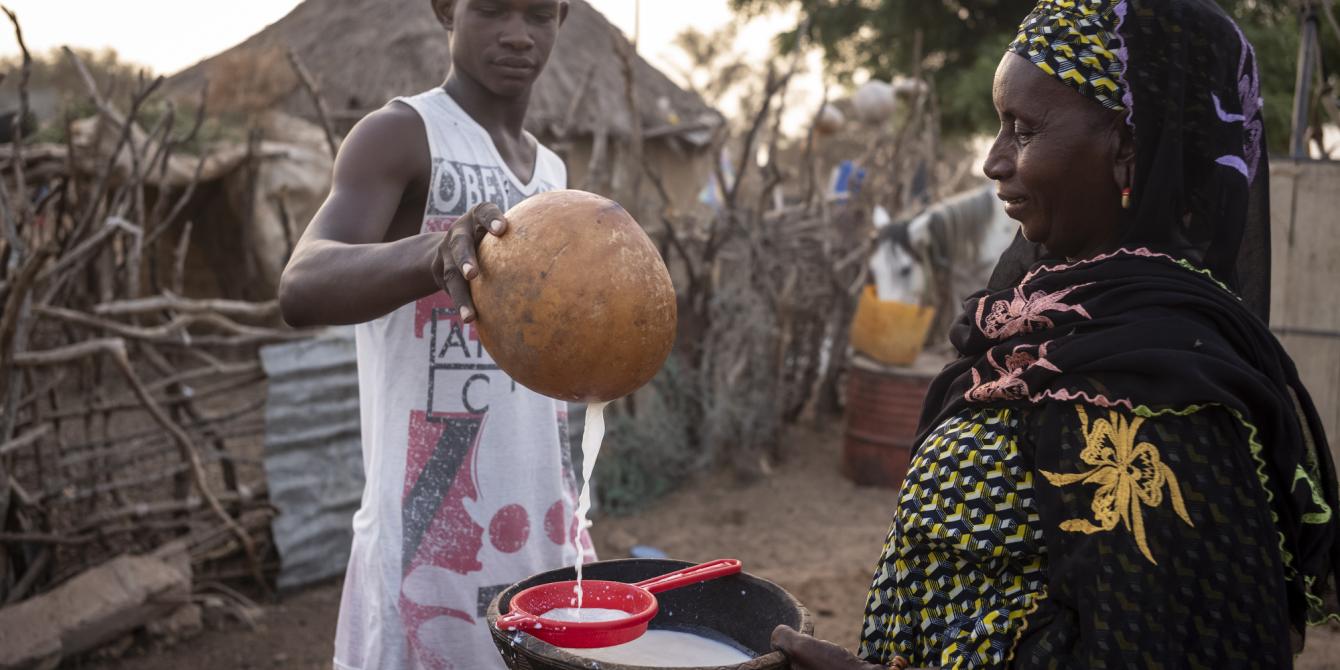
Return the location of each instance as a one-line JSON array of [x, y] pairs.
[[126, 409], [767, 286]]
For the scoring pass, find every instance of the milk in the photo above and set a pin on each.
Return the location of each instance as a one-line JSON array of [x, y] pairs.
[[592, 436], [585, 614], [667, 649], [655, 648]]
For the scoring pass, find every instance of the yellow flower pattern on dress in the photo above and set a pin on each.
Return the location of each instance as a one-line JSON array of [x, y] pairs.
[[1130, 475]]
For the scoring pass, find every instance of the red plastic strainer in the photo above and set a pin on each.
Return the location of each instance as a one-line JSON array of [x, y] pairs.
[[638, 600]]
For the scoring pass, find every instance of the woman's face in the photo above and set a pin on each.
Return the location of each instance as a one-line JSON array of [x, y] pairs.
[[1059, 161]]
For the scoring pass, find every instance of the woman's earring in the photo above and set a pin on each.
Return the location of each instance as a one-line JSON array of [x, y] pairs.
[[1126, 198]]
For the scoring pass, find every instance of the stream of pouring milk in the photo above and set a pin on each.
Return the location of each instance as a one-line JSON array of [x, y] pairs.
[[592, 435], [667, 649], [655, 648]]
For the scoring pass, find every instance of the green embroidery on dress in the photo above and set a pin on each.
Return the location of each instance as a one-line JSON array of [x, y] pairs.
[[1312, 473], [1316, 607], [1324, 513], [1150, 413], [1202, 271], [1254, 445]]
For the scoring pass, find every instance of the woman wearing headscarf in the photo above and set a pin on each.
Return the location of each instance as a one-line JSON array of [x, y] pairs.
[[1122, 468]]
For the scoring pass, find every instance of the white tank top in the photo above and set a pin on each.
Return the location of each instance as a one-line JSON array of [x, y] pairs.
[[469, 479]]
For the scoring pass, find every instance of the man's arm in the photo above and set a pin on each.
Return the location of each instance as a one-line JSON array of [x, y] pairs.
[[342, 270]]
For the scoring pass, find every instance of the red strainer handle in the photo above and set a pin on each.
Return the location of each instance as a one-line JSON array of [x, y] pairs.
[[698, 573], [516, 620]]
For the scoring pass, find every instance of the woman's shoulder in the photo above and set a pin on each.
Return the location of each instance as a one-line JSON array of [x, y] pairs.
[[1080, 412], [977, 437], [977, 423], [1066, 436], [1058, 419]]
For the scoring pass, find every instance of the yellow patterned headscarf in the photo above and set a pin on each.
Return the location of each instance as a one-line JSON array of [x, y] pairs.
[[1076, 42]]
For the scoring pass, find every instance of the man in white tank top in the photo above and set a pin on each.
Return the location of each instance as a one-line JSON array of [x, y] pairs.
[[469, 484]]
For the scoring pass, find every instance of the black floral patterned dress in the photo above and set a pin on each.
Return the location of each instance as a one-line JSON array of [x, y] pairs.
[[1139, 557], [1121, 471], [1122, 468]]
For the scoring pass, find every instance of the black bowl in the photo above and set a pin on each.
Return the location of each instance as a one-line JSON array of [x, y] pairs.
[[740, 610]]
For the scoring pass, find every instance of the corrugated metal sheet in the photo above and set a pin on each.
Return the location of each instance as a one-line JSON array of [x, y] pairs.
[[313, 453], [1304, 309]]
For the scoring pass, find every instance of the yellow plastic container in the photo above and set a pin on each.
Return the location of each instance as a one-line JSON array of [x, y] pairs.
[[888, 331]]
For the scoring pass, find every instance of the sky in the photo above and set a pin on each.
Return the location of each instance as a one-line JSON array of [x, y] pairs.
[[168, 35]]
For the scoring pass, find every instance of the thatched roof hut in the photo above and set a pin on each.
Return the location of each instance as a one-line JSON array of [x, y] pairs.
[[365, 52]]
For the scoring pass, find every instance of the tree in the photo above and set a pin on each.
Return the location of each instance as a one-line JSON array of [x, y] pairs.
[[961, 42], [714, 66], [54, 71], [57, 91]]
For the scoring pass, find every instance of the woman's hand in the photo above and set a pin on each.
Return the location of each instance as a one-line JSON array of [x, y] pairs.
[[808, 653], [455, 263]]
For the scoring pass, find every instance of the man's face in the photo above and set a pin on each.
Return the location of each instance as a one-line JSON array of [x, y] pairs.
[[502, 44]]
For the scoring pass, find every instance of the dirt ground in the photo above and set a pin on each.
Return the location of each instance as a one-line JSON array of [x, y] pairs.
[[804, 527]]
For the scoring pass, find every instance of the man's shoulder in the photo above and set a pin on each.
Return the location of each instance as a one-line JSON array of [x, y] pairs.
[[386, 137], [395, 120]]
